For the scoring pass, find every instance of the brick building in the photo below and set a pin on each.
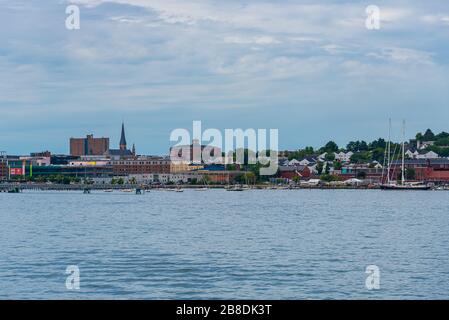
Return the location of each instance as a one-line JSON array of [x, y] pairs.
[[289, 172], [427, 170], [3, 170], [141, 165], [88, 146]]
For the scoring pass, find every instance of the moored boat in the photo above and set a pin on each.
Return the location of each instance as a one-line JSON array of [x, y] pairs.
[[416, 187], [403, 185]]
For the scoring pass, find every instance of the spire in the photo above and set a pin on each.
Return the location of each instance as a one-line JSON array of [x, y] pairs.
[[122, 138]]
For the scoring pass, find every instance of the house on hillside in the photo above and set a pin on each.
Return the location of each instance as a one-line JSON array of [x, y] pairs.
[[344, 157], [428, 155], [308, 161]]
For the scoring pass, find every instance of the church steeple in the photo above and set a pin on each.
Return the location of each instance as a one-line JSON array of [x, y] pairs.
[[122, 138]]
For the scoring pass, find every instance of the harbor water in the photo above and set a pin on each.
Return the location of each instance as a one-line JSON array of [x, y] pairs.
[[256, 244]]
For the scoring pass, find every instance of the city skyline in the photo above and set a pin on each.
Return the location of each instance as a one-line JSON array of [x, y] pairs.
[[159, 65]]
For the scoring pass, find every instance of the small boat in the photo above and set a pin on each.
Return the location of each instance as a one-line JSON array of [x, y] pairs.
[[201, 189], [128, 190], [179, 190], [109, 190]]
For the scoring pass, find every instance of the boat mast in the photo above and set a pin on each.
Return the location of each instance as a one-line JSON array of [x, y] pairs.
[[389, 152], [403, 152]]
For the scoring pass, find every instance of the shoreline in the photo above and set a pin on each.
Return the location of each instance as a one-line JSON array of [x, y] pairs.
[[102, 187]]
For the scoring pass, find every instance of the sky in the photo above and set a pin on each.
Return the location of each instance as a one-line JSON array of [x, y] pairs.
[[308, 68]]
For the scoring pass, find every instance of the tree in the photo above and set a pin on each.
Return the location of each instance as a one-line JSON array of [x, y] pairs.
[[442, 142], [361, 157], [319, 167], [442, 135], [337, 165], [378, 154], [330, 156], [250, 177], [357, 146], [377, 144], [301, 153], [428, 135], [331, 146], [419, 136], [296, 179]]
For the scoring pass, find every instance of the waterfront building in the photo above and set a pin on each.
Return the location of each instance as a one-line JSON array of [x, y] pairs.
[[140, 165], [30, 168], [427, 170], [46, 154], [373, 173], [62, 159], [209, 177], [292, 171], [88, 146], [3, 170]]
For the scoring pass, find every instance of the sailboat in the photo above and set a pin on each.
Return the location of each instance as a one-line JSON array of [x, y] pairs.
[[393, 185]]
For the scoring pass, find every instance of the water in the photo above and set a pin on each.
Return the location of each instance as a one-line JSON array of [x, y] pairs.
[[261, 244]]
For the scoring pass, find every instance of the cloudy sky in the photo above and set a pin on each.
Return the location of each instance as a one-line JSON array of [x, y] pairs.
[[309, 68]]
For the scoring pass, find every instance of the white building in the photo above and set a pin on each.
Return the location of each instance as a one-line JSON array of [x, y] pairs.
[[428, 155], [412, 154], [344, 157]]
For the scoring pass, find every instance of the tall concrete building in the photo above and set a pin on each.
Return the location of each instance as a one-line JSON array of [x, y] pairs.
[[89, 146]]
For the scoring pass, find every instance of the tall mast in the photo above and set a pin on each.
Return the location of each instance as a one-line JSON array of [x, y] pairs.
[[389, 151], [403, 152]]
